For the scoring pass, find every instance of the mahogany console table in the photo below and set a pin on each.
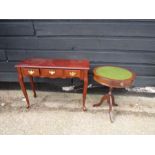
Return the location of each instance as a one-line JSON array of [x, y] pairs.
[[52, 68]]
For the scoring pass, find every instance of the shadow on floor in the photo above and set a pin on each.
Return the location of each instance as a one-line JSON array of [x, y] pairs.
[[78, 89]]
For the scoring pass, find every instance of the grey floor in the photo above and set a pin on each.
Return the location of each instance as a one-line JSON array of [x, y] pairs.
[[61, 113]]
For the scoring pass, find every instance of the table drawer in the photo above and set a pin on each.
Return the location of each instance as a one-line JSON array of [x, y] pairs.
[[72, 73], [51, 73], [30, 72]]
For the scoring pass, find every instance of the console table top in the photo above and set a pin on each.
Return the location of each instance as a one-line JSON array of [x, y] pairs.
[[54, 63]]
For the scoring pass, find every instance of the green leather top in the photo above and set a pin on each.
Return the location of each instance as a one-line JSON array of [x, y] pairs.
[[115, 73]]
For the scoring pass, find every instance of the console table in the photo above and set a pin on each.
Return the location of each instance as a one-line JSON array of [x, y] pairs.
[[52, 68]]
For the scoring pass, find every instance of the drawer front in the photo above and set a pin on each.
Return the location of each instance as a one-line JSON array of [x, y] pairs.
[[51, 73], [72, 73], [30, 72]]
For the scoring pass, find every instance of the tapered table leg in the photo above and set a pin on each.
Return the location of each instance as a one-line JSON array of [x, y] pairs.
[[32, 85], [113, 101], [22, 85], [105, 97], [85, 89], [110, 102]]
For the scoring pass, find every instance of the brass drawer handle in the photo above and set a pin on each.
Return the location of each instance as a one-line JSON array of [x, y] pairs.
[[30, 72], [52, 72], [72, 73]]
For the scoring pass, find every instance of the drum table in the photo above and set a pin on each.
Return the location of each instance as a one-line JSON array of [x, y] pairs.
[[112, 77], [52, 68]]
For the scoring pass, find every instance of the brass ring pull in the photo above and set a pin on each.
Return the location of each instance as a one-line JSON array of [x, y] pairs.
[[52, 72], [72, 73], [30, 72]]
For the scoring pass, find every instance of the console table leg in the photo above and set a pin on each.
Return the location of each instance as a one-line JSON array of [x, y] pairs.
[[22, 85], [21, 82], [32, 86], [85, 89]]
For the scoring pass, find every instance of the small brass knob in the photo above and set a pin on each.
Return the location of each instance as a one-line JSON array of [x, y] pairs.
[[121, 84], [52, 72], [30, 72], [72, 73]]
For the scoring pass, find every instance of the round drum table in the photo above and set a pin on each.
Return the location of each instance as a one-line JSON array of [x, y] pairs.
[[112, 77]]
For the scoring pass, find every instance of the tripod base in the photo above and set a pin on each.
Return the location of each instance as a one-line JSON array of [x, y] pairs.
[[110, 100]]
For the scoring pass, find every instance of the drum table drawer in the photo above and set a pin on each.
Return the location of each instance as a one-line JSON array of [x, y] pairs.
[[30, 72], [51, 73], [72, 73]]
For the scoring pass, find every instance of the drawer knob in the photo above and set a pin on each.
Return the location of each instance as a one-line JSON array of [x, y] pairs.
[[72, 73], [121, 84], [52, 72], [30, 72]]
